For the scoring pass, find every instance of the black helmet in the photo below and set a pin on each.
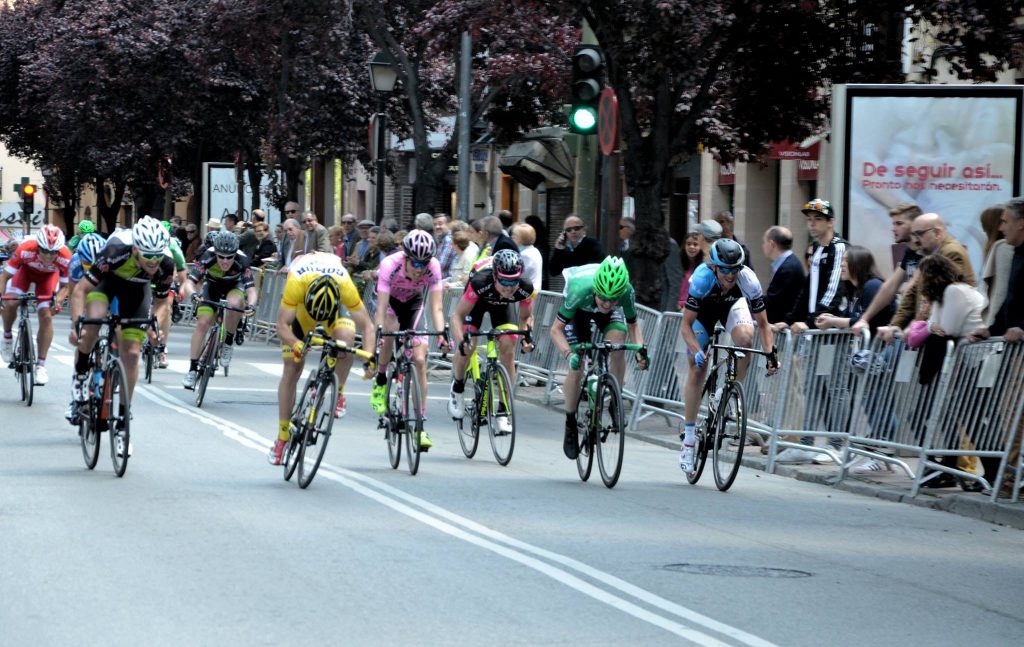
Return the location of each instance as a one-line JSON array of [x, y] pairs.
[[225, 242], [727, 253], [508, 264]]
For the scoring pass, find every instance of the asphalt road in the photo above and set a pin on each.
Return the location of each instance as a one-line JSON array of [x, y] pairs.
[[203, 542]]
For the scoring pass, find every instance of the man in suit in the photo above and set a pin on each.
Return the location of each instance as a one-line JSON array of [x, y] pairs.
[[787, 273], [573, 247], [317, 238]]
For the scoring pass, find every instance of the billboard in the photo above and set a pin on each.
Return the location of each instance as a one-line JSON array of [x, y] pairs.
[[954, 150], [220, 193]]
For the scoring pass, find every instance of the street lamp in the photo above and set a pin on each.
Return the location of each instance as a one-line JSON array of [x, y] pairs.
[[383, 77]]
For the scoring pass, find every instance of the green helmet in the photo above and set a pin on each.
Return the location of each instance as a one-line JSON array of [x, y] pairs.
[[167, 225], [86, 227], [612, 278]]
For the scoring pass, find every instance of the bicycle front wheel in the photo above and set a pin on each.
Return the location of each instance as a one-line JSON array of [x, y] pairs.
[[88, 433], [207, 363], [291, 450], [413, 419], [500, 405], [318, 420], [149, 352], [25, 364], [469, 426], [584, 412], [115, 404], [705, 432], [609, 429], [730, 436], [393, 421]]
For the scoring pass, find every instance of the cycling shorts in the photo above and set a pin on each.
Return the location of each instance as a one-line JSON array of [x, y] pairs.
[[503, 315], [409, 314], [577, 331], [46, 285], [738, 314], [217, 290], [132, 301]]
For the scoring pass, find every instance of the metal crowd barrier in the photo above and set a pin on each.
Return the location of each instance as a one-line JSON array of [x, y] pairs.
[[544, 363], [666, 378]]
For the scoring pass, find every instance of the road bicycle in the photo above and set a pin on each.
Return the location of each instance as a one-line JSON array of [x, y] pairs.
[[23, 360], [493, 398], [722, 429], [599, 414], [150, 352], [213, 345], [107, 407], [313, 415], [404, 413]]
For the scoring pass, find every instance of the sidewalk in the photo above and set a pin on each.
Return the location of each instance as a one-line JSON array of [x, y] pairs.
[[890, 486]]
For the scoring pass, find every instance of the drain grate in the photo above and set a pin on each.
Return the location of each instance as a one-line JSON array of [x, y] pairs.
[[726, 570]]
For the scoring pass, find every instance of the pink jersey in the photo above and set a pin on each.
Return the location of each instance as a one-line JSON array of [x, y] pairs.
[[391, 278]]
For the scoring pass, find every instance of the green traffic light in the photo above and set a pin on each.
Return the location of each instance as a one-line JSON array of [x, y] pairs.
[[583, 119]]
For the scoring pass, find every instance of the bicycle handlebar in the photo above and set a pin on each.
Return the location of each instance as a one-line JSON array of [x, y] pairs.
[[608, 346], [113, 320], [223, 305], [740, 349], [319, 337], [28, 296]]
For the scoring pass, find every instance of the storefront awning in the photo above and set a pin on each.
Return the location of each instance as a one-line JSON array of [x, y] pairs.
[[542, 156]]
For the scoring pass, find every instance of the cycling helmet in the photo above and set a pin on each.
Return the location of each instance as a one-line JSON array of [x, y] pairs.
[[89, 247], [418, 245], [727, 253], [225, 242], [167, 225], [322, 298], [507, 264], [86, 227], [50, 238], [612, 278], [148, 236]]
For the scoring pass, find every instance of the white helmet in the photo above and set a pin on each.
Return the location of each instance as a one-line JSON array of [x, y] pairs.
[[149, 236]]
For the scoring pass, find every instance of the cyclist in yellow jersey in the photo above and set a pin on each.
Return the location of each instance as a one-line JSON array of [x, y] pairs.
[[316, 289]]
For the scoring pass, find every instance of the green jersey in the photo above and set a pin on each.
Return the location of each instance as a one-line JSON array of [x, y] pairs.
[[179, 258], [579, 294]]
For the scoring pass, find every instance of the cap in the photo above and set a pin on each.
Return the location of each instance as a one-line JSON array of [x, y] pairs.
[[366, 223], [710, 230], [818, 205]]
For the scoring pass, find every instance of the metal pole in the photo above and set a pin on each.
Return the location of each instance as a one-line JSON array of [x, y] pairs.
[[465, 110], [381, 126]]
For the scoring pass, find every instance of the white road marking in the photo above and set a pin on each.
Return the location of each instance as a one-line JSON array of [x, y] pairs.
[[494, 541]]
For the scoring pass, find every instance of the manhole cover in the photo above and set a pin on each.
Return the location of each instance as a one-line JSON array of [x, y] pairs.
[[726, 570]]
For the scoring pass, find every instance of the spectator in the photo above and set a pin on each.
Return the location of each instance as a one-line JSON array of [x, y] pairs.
[[336, 237], [541, 244], [258, 216], [316, 237], [495, 237], [192, 242], [357, 255], [468, 250], [573, 247], [533, 263], [710, 231], [821, 290], [390, 224], [691, 258], [995, 273], [290, 244], [445, 253], [266, 251], [278, 232], [727, 221], [505, 216], [787, 274], [861, 275], [424, 221], [627, 227], [246, 239], [348, 236]]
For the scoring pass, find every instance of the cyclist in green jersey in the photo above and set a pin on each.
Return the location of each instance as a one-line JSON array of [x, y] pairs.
[[84, 228], [602, 294], [164, 320]]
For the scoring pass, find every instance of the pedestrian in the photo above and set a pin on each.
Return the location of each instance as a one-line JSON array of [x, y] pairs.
[[861, 277], [336, 236], [995, 273], [787, 277], [468, 250], [533, 263], [727, 221], [445, 253], [348, 236], [573, 247], [266, 251], [316, 236], [821, 291], [290, 246], [495, 237]]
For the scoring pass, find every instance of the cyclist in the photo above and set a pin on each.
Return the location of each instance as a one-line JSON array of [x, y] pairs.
[[401, 279], [317, 287], [721, 290], [84, 229], [224, 272], [43, 260], [493, 288], [180, 275], [127, 268], [600, 293]]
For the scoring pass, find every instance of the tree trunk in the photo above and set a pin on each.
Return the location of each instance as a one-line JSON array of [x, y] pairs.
[[254, 168], [429, 182], [69, 195], [108, 211]]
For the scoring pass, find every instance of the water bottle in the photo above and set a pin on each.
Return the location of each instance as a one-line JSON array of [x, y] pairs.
[[592, 387], [97, 384]]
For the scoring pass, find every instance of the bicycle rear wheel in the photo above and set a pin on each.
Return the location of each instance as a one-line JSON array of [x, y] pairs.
[[291, 450], [88, 434], [609, 429], [207, 363], [25, 364], [730, 436], [705, 432], [585, 457], [393, 421], [413, 419], [499, 403], [115, 390], [318, 421]]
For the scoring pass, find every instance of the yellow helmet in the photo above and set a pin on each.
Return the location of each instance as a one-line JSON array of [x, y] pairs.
[[322, 298]]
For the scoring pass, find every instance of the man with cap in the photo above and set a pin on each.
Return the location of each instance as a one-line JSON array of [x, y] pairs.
[[361, 245], [821, 291]]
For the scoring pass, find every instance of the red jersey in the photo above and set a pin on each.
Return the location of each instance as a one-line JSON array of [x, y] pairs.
[[27, 256]]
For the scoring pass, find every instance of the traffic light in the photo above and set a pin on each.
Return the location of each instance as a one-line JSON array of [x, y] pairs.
[[28, 198], [587, 83]]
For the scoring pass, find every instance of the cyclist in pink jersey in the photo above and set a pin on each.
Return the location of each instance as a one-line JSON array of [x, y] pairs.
[[401, 280]]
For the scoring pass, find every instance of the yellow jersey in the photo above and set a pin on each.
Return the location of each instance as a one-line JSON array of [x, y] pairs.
[[302, 272]]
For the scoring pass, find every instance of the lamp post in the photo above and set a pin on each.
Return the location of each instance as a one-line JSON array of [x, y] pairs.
[[382, 77]]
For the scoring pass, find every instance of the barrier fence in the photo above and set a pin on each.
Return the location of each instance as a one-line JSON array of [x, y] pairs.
[[864, 399]]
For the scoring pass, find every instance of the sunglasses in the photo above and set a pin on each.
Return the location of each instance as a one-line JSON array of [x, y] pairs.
[[291, 210], [918, 234], [610, 302], [151, 257], [508, 282], [729, 270], [418, 265], [576, 228], [225, 257]]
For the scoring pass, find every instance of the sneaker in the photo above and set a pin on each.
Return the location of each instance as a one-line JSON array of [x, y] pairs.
[[7, 349], [377, 399], [161, 361], [456, 406], [119, 445], [504, 425], [42, 377], [339, 408], [791, 456], [871, 466], [686, 459], [276, 454], [80, 388], [425, 442], [190, 380], [570, 444], [71, 414], [225, 355]]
